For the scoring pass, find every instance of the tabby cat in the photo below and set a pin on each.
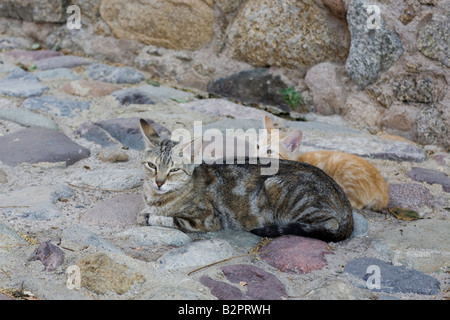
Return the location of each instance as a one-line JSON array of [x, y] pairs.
[[361, 181], [299, 199]]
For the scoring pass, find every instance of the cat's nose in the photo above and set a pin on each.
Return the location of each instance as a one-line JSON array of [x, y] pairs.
[[159, 183]]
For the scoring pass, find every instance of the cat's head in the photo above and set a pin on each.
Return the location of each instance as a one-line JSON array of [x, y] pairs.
[[164, 168], [288, 147]]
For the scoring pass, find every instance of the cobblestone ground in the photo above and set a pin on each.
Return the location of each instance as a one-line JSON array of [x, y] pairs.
[[70, 191]]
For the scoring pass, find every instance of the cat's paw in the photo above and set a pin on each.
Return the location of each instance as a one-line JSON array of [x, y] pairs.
[[161, 221], [142, 218]]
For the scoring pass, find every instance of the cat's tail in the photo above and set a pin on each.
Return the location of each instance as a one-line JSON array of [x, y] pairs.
[[330, 230]]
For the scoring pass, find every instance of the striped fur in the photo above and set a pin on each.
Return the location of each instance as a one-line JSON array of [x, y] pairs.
[[360, 180], [299, 199]]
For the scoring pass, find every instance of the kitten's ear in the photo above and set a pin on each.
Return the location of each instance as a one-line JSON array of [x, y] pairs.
[[148, 133], [292, 141], [268, 124]]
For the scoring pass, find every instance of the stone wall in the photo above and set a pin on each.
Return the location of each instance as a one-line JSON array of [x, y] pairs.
[[388, 71]]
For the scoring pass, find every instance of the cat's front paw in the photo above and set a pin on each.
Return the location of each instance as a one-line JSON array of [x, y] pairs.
[[142, 218], [161, 221]]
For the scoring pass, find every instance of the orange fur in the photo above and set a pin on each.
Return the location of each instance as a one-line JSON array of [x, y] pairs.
[[360, 180]]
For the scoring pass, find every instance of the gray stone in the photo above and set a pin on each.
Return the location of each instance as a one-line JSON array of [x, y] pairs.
[[127, 132], [94, 133], [414, 89], [77, 238], [103, 72], [225, 108], [36, 11], [113, 179], [196, 254], [432, 128], [423, 245], [120, 211], [393, 279], [61, 62], [252, 86], [33, 145], [243, 240], [372, 51], [56, 107], [412, 196], [360, 225], [433, 39], [35, 203], [148, 236], [152, 94], [21, 84], [7, 43], [27, 118], [58, 73], [335, 290], [132, 96], [430, 176], [9, 238], [361, 144]]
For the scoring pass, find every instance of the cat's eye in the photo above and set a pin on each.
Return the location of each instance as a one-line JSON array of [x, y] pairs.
[[174, 170], [269, 151], [150, 165]]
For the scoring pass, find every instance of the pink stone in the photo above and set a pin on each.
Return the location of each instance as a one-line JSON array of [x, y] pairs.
[[296, 254]]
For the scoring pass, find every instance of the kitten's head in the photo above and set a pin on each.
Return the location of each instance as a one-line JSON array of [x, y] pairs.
[[288, 147], [163, 170]]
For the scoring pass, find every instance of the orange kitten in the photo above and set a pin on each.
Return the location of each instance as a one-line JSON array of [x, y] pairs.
[[361, 181]]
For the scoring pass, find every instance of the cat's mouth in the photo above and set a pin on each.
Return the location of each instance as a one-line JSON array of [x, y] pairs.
[[160, 190]]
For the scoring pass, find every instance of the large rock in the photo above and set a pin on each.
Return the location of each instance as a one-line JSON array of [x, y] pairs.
[[372, 50], [27, 118], [393, 279], [21, 84], [177, 24], [33, 145], [196, 254], [433, 39], [103, 72], [123, 130], [35, 10], [326, 83], [120, 211], [56, 107], [288, 34], [35, 203], [252, 86], [102, 274]]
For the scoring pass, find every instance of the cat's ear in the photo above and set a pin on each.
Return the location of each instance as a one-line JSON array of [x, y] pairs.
[[268, 124], [292, 141], [148, 133]]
